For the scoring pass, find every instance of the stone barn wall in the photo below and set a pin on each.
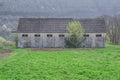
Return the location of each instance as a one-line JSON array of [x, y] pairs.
[[95, 40], [52, 40], [42, 40]]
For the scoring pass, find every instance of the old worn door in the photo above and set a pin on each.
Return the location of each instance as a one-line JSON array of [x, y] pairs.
[[99, 42], [88, 41], [60, 41], [26, 41], [38, 41], [50, 41]]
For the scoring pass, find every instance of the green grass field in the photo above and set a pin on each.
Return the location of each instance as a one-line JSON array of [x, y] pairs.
[[66, 64]]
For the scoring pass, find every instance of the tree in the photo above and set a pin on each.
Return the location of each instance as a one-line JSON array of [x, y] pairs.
[[5, 32], [75, 38], [113, 29]]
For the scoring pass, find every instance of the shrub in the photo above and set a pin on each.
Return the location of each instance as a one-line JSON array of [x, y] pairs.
[[4, 42], [8, 43], [74, 42], [16, 40], [2, 39], [75, 39]]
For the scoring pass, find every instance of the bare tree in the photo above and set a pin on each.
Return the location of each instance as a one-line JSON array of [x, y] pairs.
[[113, 29]]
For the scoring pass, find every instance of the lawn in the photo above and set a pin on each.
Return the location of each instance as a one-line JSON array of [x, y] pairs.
[[58, 64]]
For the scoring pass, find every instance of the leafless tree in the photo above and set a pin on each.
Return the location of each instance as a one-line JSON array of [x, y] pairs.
[[113, 29]]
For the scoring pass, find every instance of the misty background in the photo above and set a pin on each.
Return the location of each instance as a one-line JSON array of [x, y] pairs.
[[12, 10]]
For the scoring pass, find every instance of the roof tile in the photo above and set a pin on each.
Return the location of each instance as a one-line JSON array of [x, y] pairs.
[[58, 25]]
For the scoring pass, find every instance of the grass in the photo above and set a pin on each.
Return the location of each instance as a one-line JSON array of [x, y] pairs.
[[69, 64]]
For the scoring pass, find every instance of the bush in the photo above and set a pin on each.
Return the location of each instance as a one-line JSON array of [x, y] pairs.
[[75, 38], [2, 39], [16, 41], [73, 41], [8, 43], [4, 42]]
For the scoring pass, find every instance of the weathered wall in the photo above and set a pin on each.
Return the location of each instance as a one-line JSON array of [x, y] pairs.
[[41, 42], [55, 41], [95, 42]]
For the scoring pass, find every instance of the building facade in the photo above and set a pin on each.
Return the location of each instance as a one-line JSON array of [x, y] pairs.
[[51, 32]]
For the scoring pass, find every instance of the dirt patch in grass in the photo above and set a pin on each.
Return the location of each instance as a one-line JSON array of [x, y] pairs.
[[58, 49], [5, 53], [47, 49]]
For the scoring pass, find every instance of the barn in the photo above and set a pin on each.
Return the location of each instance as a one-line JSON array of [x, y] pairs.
[[51, 32]]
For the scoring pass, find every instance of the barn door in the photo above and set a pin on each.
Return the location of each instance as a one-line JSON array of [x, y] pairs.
[[50, 41], [38, 41], [26, 41], [99, 41], [61, 41], [88, 41]]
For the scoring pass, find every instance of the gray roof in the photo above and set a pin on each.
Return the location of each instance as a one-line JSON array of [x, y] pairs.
[[58, 25]]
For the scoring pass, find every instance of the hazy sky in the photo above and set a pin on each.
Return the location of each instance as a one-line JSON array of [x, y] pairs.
[[64, 6]]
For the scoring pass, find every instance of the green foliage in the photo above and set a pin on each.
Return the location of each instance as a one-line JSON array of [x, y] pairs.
[[16, 41], [2, 39], [74, 42], [75, 28], [75, 39], [75, 64], [4, 42]]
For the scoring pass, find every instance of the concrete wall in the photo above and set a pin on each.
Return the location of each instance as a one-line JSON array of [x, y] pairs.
[[45, 41], [94, 41]]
